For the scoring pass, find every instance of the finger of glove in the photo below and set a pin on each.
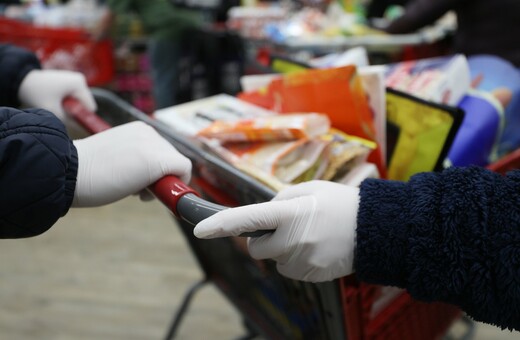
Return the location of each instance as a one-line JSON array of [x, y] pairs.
[[269, 246], [83, 94], [175, 164], [302, 189], [282, 244], [235, 221], [291, 270], [179, 165], [302, 272], [183, 173], [162, 157], [71, 83]]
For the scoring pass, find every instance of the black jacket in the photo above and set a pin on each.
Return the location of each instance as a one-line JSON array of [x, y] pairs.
[[38, 162], [483, 26]]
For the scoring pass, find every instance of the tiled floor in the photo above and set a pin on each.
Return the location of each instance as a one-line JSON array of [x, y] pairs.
[[115, 272]]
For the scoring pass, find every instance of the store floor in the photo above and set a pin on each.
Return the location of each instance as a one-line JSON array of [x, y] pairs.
[[115, 272]]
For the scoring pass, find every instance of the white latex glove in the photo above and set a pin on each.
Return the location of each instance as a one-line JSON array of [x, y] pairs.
[[46, 89], [314, 229], [123, 161]]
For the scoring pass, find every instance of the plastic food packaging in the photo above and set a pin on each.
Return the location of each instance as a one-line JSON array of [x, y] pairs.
[[270, 128]]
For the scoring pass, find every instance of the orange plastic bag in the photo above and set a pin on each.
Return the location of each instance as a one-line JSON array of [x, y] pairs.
[[336, 92]]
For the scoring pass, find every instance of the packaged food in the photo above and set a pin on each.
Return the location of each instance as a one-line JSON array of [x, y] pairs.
[[268, 128]]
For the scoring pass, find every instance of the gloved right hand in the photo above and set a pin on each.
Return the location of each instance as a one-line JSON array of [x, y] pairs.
[[123, 161], [313, 225]]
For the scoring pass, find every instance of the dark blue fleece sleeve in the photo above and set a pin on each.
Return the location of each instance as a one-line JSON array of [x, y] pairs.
[[15, 63], [452, 236], [38, 168]]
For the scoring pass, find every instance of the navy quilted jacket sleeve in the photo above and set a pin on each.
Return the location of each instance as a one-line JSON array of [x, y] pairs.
[[452, 236], [15, 63], [38, 168], [38, 162]]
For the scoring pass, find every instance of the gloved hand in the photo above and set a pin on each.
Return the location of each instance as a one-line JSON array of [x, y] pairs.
[[314, 229], [46, 89], [123, 161]]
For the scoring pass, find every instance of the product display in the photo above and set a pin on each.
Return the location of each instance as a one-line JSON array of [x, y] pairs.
[[260, 145]]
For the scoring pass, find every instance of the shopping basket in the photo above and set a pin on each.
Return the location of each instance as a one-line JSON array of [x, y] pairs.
[[62, 48], [508, 162], [271, 305]]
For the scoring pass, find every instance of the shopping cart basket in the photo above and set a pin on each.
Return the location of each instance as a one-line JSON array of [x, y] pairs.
[[508, 162], [271, 305], [62, 48]]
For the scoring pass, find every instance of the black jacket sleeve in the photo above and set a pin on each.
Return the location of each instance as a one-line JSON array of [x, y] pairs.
[[38, 168], [15, 63], [452, 236]]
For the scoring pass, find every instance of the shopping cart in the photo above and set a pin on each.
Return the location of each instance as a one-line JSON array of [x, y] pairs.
[[506, 163], [62, 48], [271, 305]]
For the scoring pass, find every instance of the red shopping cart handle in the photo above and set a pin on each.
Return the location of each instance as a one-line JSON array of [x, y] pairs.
[[184, 202], [89, 120]]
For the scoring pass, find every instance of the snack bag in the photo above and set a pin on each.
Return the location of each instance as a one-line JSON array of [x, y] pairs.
[[269, 128]]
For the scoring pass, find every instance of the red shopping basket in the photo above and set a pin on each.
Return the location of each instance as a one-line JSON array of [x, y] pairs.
[[374, 312], [63, 48], [507, 163]]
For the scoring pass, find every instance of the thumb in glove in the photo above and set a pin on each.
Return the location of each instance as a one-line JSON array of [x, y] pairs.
[[313, 225], [123, 161]]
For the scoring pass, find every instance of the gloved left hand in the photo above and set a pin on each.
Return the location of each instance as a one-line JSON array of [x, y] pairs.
[[46, 89], [123, 161], [313, 229]]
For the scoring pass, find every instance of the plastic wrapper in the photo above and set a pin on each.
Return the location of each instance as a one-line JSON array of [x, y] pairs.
[[323, 154], [270, 128], [330, 156]]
